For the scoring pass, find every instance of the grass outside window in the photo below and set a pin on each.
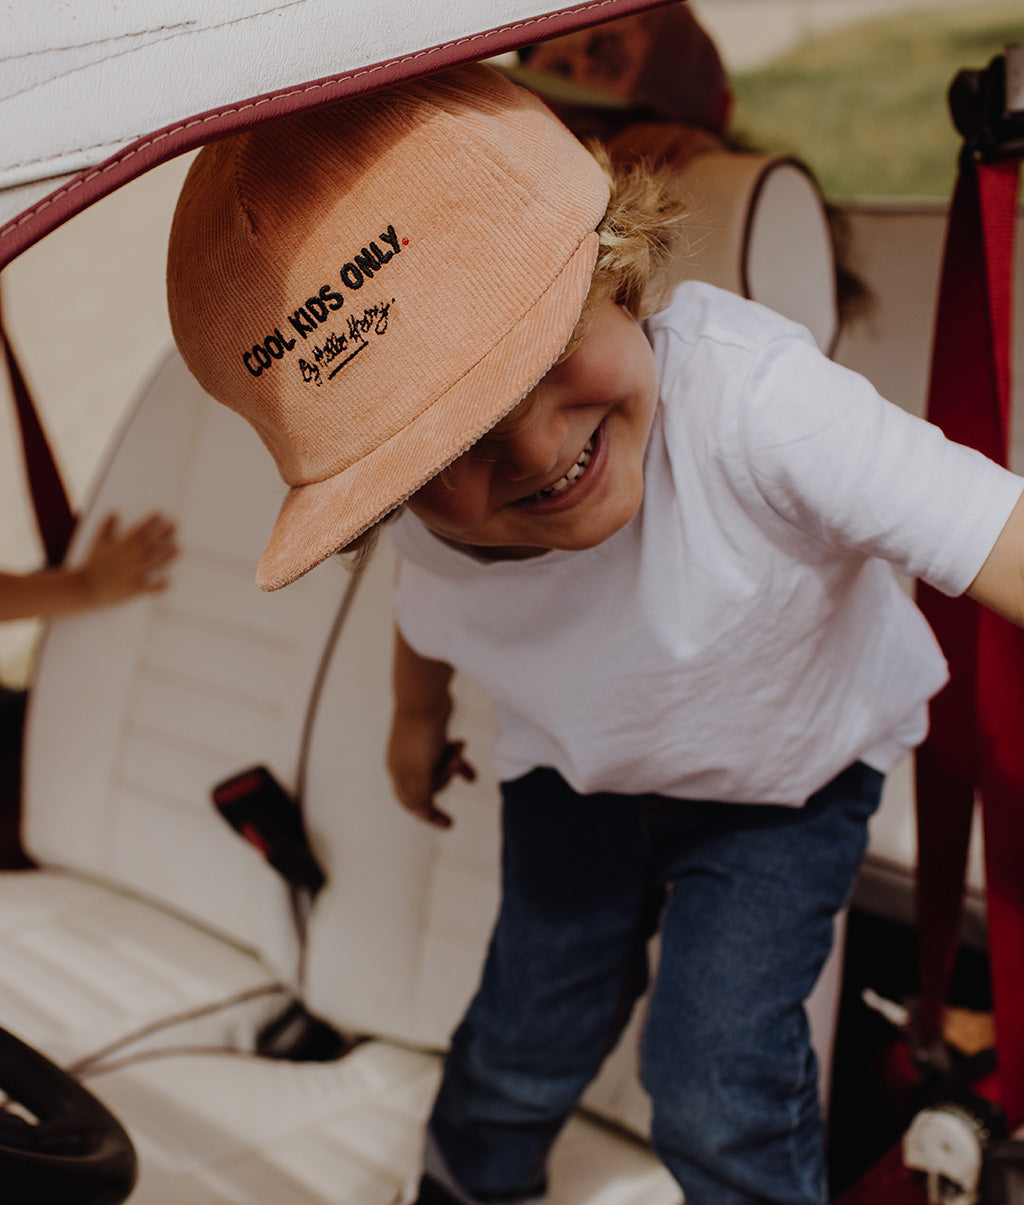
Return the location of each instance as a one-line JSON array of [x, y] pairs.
[[866, 107]]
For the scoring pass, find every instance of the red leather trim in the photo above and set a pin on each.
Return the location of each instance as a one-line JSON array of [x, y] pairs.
[[95, 182]]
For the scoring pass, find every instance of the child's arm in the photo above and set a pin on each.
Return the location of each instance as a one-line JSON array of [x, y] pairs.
[[1000, 581], [420, 758], [116, 568]]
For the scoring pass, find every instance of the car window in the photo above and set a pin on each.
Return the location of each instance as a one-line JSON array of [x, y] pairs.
[[861, 98]]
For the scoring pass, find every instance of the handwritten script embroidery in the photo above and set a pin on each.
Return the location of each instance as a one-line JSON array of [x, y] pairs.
[[346, 344]]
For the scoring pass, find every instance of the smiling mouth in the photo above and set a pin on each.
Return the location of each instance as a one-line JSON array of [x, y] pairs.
[[572, 476]]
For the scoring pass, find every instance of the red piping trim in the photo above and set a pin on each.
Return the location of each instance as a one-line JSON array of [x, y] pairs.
[[93, 183]]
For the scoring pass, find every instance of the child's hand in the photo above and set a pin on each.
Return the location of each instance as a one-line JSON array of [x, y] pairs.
[[422, 761], [120, 566]]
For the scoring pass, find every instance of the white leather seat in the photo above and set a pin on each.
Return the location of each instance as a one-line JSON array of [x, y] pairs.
[[215, 1130], [135, 712], [760, 229]]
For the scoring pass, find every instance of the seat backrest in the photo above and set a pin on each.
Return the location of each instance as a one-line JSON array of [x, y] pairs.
[[397, 937], [760, 229], [137, 710]]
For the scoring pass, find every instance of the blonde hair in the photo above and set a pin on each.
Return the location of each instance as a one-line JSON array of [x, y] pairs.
[[642, 236], [642, 242]]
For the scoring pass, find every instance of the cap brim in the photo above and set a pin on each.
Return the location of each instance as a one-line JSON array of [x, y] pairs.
[[319, 519]]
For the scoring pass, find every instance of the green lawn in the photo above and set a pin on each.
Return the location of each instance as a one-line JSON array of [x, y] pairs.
[[866, 107]]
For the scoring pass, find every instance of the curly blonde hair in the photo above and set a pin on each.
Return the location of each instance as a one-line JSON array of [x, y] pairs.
[[642, 241], [642, 236]]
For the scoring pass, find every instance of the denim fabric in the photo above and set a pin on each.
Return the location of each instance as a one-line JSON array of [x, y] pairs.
[[746, 895]]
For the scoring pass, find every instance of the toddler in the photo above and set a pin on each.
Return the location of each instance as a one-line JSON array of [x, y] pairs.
[[660, 533]]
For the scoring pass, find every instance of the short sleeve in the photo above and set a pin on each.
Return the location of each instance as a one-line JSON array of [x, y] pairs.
[[835, 459]]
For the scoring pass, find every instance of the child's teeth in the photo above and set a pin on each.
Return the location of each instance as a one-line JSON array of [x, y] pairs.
[[573, 475]]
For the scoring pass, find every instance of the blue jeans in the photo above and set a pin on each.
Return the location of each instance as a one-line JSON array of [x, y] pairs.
[[746, 895]]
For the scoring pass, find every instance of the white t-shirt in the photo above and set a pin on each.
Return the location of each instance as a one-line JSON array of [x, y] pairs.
[[742, 638]]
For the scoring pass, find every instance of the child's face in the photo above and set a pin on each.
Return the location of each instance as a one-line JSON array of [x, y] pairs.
[[565, 468]]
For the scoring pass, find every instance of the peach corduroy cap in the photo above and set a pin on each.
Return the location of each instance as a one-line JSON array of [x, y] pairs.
[[373, 285]]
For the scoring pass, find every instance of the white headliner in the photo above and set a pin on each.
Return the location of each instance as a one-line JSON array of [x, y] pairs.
[[80, 82]]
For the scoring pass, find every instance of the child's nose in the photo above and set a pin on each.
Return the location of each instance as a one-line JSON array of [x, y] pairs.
[[535, 450]]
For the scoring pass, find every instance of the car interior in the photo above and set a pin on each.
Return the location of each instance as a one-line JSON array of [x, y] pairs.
[[232, 971], [259, 1042]]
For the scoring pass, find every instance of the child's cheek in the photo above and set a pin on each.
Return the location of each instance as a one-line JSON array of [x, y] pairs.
[[455, 501]]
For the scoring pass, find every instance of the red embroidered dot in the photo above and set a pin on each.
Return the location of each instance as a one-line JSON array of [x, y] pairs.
[[405, 242]]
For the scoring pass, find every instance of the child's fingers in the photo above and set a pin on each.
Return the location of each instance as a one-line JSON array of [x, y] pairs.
[[152, 585], [153, 534], [152, 524], [415, 792], [106, 532], [148, 548], [465, 769], [150, 542], [453, 764], [159, 553], [424, 808], [415, 789], [435, 816]]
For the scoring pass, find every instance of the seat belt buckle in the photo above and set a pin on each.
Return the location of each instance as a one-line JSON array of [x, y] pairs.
[[987, 107], [257, 807]]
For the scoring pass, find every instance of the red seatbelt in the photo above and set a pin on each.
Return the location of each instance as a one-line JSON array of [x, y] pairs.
[[976, 744], [54, 517]]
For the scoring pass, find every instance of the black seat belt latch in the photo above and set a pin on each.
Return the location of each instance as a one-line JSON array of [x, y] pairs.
[[257, 807]]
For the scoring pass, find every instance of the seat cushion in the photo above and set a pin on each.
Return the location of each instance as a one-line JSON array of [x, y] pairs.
[[212, 1130], [86, 970]]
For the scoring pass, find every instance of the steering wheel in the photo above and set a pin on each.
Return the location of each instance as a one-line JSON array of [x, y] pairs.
[[77, 1150]]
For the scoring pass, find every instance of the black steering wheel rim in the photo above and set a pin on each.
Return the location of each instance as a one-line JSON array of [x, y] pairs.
[[78, 1151]]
